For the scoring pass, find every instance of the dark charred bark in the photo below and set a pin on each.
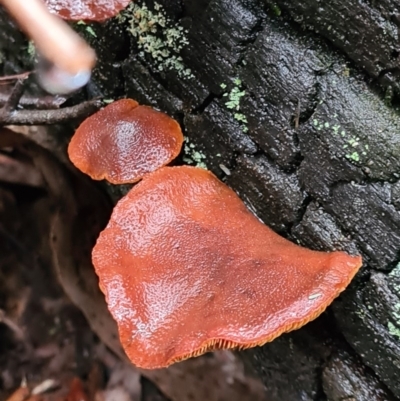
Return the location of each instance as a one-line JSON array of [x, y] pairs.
[[318, 159]]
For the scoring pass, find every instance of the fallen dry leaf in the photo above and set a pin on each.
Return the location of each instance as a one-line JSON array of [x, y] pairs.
[[13, 170], [39, 326], [213, 377], [125, 379], [80, 211]]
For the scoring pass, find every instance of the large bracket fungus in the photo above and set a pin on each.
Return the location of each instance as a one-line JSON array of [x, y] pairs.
[[184, 265], [186, 268]]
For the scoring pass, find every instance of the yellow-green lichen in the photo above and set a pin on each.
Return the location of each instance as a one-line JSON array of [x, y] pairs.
[[193, 156], [233, 102], [88, 29], [353, 156], [31, 50], [346, 72], [356, 150], [395, 272], [275, 9], [394, 329], [361, 313], [157, 36], [359, 149]]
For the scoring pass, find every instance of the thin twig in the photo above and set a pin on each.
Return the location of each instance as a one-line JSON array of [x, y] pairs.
[[39, 103], [12, 102], [15, 95], [14, 77], [48, 117]]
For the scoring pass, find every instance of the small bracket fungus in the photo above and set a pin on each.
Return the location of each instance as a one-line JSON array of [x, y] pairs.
[[93, 10], [186, 269], [124, 141]]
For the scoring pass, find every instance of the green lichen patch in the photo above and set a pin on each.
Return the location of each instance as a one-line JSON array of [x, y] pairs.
[[157, 37], [87, 28], [355, 156], [275, 9], [358, 149], [395, 272], [394, 328], [232, 102], [31, 50], [355, 151], [193, 156]]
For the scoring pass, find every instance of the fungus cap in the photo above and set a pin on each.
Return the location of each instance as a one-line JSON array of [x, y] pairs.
[[186, 269], [94, 10], [124, 141]]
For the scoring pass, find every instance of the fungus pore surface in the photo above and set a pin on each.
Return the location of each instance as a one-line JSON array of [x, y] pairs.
[[94, 10], [186, 269], [124, 141]]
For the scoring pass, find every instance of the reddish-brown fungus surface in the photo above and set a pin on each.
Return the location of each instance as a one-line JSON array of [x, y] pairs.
[[186, 268], [124, 141], [94, 10]]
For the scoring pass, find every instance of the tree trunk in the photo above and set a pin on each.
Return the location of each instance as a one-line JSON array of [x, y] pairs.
[[293, 104]]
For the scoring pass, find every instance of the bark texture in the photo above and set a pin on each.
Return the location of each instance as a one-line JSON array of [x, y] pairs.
[[317, 156]]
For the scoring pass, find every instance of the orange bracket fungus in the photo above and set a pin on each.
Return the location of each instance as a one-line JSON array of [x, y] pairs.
[[93, 10], [186, 268], [184, 265], [124, 141]]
